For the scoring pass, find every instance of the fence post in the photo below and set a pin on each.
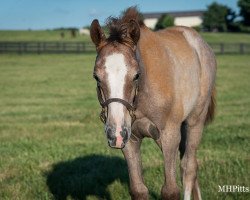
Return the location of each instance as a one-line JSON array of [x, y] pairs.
[[222, 48], [19, 47], [63, 47], [38, 47]]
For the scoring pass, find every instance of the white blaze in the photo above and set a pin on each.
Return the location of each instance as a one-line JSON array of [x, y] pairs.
[[116, 70]]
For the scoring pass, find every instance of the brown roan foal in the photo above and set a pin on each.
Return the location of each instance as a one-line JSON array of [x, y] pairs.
[[159, 85]]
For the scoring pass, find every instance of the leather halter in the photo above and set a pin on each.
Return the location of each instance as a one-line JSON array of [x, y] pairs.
[[104, 104]]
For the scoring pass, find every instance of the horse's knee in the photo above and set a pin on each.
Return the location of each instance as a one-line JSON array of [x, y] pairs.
[[183, 163], [170, 193], [191, 169], [189, 165], [139, 192]]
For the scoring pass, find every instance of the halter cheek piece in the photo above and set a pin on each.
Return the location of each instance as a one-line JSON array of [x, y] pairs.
[[104, 104]]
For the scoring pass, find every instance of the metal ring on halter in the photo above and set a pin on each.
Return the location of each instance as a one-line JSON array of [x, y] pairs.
[[104, 104]]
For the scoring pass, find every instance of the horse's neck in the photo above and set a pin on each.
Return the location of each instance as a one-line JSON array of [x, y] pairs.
[[150, 55]]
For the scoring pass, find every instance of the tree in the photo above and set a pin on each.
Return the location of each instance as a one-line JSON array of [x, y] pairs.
[[245, 11], [164, 21], [218, 17]]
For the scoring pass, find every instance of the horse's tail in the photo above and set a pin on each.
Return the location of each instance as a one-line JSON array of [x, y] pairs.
[[211, 108]]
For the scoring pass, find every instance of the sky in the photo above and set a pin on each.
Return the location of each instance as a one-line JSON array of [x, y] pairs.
[[49, 14]]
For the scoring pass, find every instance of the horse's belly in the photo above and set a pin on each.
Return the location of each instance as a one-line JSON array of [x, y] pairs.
[[188, 88], [190, 99]]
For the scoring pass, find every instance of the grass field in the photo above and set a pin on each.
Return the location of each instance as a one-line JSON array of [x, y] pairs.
[[41, 36], [52, 144], [55, 36]]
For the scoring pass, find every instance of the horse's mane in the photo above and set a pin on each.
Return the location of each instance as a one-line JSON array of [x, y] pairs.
[[116, 25]]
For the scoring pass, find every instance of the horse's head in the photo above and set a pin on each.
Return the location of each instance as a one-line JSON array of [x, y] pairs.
[[116, 72]]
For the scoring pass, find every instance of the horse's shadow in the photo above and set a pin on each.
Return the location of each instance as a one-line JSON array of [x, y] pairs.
[[85, 176]]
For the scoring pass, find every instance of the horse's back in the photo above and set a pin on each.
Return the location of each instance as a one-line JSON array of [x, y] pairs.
[[202, 73], [188, 41], [188, 64]]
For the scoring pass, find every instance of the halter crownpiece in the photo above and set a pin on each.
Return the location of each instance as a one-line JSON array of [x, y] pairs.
[[104, 104]]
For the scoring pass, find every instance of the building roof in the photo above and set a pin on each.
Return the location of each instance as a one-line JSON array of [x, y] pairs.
[[174, 14]]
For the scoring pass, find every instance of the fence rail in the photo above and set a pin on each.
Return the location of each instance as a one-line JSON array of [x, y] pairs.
[[230, 48], [83, 47], [45, 47]]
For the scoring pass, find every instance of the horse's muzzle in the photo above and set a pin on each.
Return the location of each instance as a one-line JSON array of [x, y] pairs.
[[117, 138]]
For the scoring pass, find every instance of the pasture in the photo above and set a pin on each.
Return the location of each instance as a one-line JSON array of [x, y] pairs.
[[52, 143], [41, 35], [54, 35]]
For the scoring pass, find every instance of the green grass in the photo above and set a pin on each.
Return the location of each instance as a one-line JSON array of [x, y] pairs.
[[52, 143], [40, 36], [55, 36], [226, 37]]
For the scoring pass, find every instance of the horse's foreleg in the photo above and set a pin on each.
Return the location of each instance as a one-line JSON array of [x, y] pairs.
[[131, 152], [170, 139], [189, 163]]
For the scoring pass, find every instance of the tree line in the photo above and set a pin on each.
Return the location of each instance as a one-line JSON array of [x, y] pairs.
[[218, 18]]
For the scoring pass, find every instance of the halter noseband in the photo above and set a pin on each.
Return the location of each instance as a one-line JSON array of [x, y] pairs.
[[104, 104]]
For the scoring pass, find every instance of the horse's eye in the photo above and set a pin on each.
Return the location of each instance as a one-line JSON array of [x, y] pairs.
[[136, 77], [96, 78]]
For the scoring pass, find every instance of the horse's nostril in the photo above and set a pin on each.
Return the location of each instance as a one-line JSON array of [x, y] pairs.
[[125, 134], [122, 133], [110, 133]]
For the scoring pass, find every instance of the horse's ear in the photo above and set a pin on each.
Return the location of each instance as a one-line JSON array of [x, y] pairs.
[[134, 31], [96, 33]]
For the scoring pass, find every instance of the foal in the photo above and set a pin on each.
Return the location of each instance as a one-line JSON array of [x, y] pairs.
[[159, 85]]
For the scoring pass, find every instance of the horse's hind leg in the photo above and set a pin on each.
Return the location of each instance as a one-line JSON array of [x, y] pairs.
[[189, 165], [196, 190]]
